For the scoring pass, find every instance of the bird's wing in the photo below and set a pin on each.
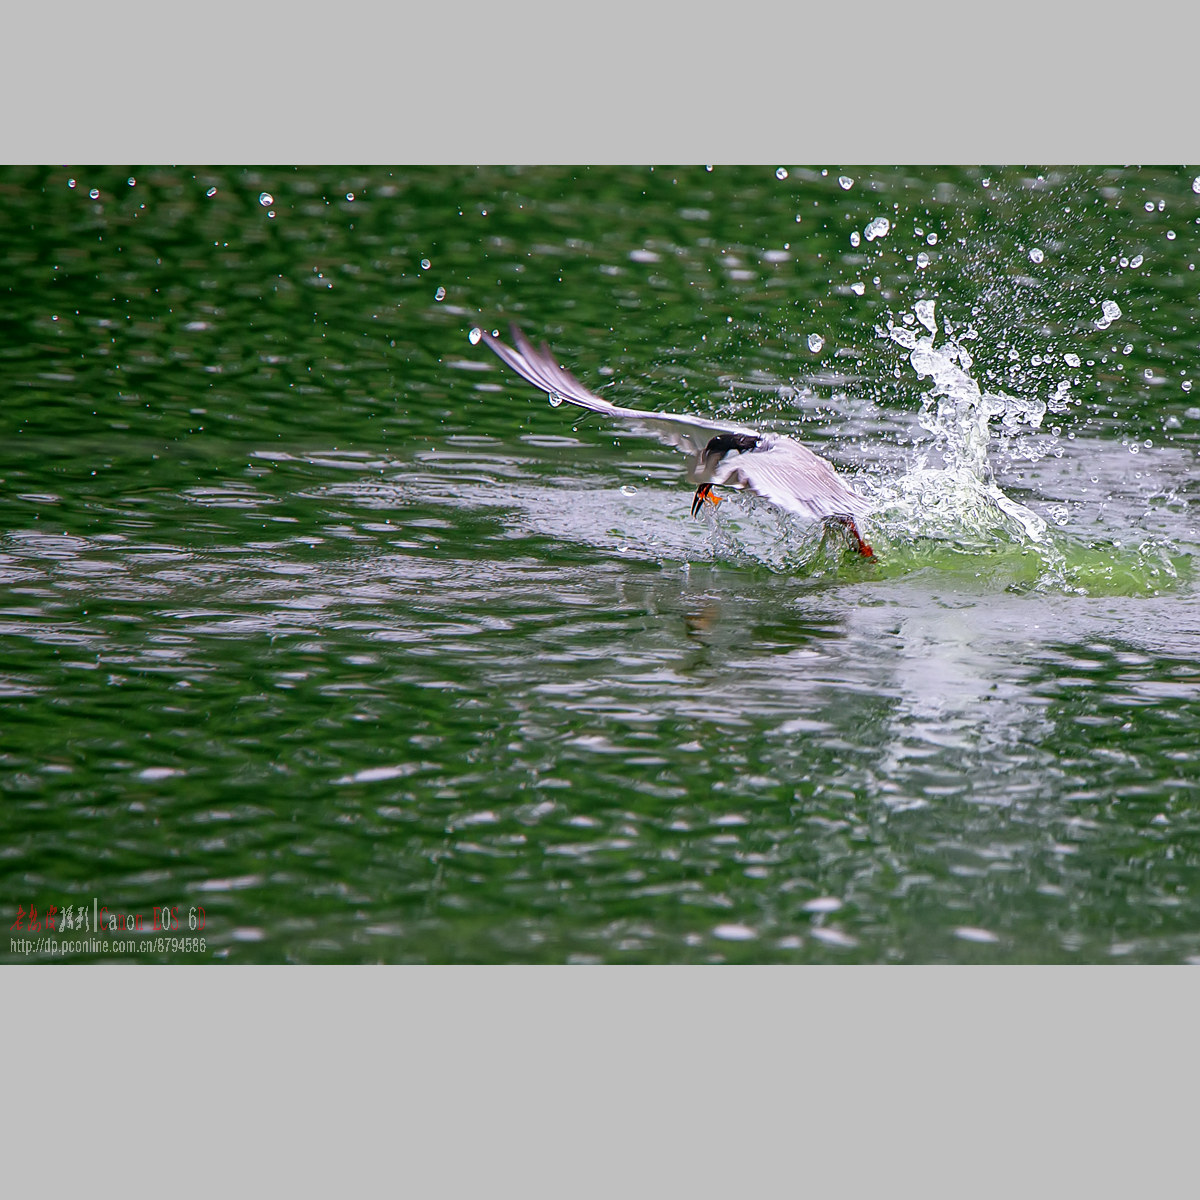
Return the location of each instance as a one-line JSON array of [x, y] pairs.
[[789, 474], [690, 434]]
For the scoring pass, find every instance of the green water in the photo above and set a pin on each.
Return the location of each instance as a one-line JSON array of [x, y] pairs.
[[314, 618]]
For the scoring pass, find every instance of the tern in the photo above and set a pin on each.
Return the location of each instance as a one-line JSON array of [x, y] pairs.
[[771, 465]]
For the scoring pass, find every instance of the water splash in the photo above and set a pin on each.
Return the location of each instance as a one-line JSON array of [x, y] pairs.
[[960, 499], [947, 506]]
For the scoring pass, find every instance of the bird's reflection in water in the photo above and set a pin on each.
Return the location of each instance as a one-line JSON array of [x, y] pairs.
[[703, 620]]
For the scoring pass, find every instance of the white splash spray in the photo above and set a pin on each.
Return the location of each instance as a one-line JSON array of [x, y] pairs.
[[960, 500]]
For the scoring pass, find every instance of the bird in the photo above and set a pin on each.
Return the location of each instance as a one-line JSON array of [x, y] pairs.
[[721, 454]]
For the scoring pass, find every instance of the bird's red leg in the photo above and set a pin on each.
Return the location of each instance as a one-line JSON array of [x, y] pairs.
[[704, 492], [860, 545]]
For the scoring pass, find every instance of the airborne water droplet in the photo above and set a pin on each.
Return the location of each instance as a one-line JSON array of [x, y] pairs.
[[440, 294], [845, 182], [1111, 310], [1072, 360], [815, 342], [1035, 255], [1136, 260], [555, 399], [922, 260], [781, 173], [855, 239], [266, 199], [1196, 185], [877, 228], [94, 193], [425, 264], [475, 336], [858, 288], [212, 191]]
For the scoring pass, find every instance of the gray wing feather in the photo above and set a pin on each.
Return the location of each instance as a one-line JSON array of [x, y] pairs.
[[792, 476], [690, 434]]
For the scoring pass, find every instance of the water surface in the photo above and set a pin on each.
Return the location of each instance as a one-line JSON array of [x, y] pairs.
[[315, 618]]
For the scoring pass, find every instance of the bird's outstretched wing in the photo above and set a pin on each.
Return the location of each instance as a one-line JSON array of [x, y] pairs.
[[690, 434]]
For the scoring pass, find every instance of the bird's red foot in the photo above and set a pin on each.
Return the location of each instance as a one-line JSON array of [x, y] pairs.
[[852, 529], [704, 492]]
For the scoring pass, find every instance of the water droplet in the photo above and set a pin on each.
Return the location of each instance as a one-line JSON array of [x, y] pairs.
[[70, 183], [815, 342], [94, 193], [1196, 185], [931, 239], [854, 238], [709, 167], [925, 314], [425, 264], [212, 191], [1136, 260], [781, 173], [1072, 360], [1128, 349], [349, 195], [131, 181], [877, 228], [1149, 372], [440, 294], [1170, 235], [858, 288], [628, 490], [555, 399], [987, 182], [271, 214], [1035, 255], [475, 336], [1162, 205], [1186, 385], [1111, 310], [922, 260], [1149, 205], [266, 199], [845, 182]]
